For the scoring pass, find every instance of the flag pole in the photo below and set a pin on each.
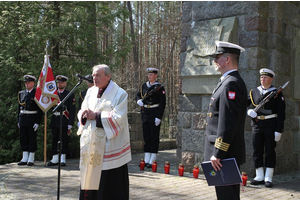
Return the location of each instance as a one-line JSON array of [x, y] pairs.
[[45, 121], [45, 139]]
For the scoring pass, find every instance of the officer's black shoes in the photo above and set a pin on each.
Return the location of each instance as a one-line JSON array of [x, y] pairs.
[[63, 164], [254, 182], [30, 164], [22, 163], [269, 184], [149, 165], [51, 164]]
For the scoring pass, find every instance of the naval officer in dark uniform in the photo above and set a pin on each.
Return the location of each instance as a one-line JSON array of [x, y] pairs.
[[267, 126], [29, 118], [224, 136], [152, 110], [68, 121]]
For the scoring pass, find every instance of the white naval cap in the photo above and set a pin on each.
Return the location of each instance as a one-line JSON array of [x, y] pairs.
[[29, 78], [152, 70], [61, 78], [227, 47], [267, 72]]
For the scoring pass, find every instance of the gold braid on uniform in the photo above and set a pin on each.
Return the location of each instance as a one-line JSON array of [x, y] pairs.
[[219, 144], [22, 104], [81, 96], [252, 98], [142, 92]]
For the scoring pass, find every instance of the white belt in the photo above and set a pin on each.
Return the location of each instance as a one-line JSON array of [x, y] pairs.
[[262, 117], [28, 112], [56, 113], [151, 106]]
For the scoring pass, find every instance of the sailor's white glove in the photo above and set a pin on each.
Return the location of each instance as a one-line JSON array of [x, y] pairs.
[[277, 136], [140, 102], [157, 121], [69, 127], [252, 113], [35, 126]]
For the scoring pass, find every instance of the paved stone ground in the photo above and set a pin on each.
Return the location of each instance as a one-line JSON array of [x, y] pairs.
[[40, 182]]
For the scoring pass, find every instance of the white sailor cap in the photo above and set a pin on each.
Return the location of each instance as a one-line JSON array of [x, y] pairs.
[[29, 78], [61, 78], [227, 47], [267, 72], [152, 70]]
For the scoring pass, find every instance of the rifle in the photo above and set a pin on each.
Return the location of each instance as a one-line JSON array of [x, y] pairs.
[[270, 96], [151, 92]]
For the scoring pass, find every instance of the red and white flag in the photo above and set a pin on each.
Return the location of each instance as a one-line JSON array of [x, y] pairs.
[[46, 94]]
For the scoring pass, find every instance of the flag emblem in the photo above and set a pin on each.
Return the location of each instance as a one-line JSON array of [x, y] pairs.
[[45, 100], [231, 95], [51, 87], [46, 94]]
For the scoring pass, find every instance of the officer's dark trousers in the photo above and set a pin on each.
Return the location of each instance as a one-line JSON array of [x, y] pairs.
[[55, 139], [229, 192], [114, 185], [263, 142], [151, 136], [28, 138]]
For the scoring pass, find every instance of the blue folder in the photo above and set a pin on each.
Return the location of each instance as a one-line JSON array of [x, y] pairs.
[[228, 175]]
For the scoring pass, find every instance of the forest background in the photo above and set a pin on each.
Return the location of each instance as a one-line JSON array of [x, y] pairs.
[[127, 36]]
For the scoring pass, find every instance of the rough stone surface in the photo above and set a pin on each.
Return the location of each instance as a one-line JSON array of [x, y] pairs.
[[183, 45], [184, 120], [188, 160], [276, 26], [193, 140], [186, 12], [199, 121], [191, 103], [205, 102], [256, 23], [203, 10]]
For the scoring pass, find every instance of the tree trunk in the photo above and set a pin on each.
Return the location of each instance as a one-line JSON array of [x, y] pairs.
[[92, 35], [134, 49], [55, 41]]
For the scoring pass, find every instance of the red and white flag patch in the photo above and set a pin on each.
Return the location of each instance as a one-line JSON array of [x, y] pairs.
[[231, 95]]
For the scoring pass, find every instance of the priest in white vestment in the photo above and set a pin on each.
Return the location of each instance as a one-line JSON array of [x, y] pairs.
[[104, 143]]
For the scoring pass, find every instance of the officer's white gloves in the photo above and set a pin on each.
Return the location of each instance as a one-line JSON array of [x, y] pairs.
[[277, 136], [140, 102], [157, 121], [69, 127], [252, 113], [35, 126]]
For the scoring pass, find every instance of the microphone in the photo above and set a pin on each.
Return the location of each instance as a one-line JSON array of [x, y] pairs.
[[84, 78]]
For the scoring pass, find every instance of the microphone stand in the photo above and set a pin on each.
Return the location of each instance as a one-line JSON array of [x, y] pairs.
[[61, 107]]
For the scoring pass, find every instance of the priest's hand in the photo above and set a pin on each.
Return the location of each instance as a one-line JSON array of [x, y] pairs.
[[89, 114]]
